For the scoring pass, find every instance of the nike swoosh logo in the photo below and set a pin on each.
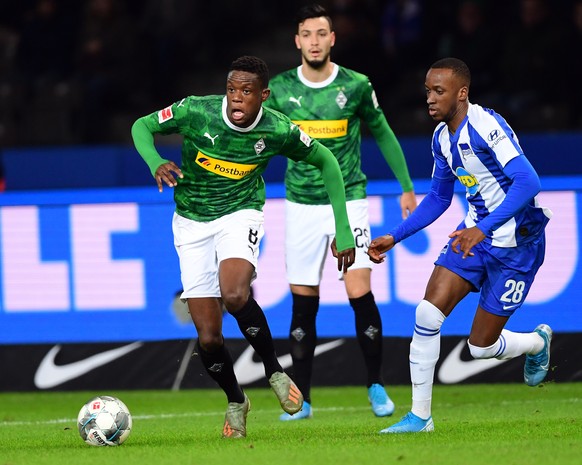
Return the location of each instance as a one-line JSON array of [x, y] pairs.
[[509, 307], [49, 374], [248, 371], [454, 370]]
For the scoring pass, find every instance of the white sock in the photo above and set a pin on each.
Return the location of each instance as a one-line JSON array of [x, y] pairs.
[[517, 344], [424, 354]]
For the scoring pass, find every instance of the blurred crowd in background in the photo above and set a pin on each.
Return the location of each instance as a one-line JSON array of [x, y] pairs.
[[81, 71]]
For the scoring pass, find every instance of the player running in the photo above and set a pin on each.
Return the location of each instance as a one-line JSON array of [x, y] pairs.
[[218, 221], [496, 250]]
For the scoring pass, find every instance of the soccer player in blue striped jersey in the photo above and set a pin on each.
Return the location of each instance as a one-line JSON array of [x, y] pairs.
[[496, 250]]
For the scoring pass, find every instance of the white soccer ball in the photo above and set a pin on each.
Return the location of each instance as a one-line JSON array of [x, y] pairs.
[[104, 421]]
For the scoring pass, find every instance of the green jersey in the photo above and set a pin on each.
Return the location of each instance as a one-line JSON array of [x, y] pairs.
[[222, 163], [331, 112]]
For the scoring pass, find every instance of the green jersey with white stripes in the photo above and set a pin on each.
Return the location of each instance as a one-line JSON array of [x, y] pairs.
[[331, 112], [222, 163]]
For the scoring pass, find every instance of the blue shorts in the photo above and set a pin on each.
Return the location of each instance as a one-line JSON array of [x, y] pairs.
[[503, 275]]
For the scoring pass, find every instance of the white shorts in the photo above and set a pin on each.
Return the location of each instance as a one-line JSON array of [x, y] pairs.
[[201, 246], [309, 230]]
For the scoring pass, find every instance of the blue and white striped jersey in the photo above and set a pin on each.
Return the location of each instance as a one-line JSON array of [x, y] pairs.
[[476, 155]]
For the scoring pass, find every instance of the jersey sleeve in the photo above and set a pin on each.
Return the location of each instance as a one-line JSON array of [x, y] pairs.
[[434, 204], [324, 160], [500, 138], [298, 145], [165, 121], [524, 187], [374, 117], [441, 169], [169, 120]]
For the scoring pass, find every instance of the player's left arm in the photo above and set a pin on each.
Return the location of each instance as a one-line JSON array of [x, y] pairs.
[[322, 158], [391, 149], [524, 187]]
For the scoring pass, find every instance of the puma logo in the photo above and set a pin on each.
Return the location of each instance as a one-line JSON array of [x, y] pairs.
[[296, 100], [210, 137]]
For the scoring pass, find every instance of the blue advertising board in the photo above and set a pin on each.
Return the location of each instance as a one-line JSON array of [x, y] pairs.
[[99, 265]]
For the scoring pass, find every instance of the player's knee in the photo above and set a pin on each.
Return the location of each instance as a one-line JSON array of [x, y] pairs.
[[210, 342], [305, 307], [428, 316], [304, 315], [482, 352], [234, 300]]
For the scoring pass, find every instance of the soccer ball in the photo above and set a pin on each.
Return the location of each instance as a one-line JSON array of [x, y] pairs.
[[104, 421]]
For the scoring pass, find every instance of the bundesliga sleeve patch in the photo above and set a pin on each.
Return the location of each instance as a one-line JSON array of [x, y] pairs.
[[375, 99], [304, 138], [165, 114]]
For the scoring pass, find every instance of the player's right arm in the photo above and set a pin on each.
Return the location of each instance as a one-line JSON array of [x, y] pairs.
[[142, 133], [390, 147]]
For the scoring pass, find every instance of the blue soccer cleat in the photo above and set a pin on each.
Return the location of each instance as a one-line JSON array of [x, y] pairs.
[[382, 406], [305, 413], [410, 423], [536, 366]]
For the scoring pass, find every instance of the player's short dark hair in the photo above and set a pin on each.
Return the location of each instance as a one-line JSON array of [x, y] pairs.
[[313, 11], [254, 65], [458, 67]]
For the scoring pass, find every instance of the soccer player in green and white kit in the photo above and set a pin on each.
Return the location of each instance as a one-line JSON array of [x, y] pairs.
[[218, 221], [329, 102]]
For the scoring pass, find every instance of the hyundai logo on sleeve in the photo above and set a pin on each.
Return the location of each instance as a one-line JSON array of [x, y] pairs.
[[493, 135]]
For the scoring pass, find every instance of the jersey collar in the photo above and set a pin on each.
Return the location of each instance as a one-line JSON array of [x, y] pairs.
[[317, 85], [235, 127]]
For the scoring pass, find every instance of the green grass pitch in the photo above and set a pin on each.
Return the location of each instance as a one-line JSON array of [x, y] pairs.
[[474, 424]]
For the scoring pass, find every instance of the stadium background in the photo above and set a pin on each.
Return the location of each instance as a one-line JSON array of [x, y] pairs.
[[88, 274]]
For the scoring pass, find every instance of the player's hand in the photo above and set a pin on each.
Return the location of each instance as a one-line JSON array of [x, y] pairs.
[[379, 246], [345, 258], [407, 203], [465, 240], [164, 175]]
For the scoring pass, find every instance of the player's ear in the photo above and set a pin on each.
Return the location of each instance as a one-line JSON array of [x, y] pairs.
[[265, 94], [297, 43], [463, 94], [332, 43]]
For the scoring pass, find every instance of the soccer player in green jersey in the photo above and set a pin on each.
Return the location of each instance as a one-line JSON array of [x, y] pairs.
[[329, 103], [218, 222]]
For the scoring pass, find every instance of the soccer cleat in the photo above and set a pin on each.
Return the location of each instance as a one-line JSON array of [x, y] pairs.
[[303, 414], [536, 366], [410, 423], [235, 420], [287, 392], [382, 406]]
